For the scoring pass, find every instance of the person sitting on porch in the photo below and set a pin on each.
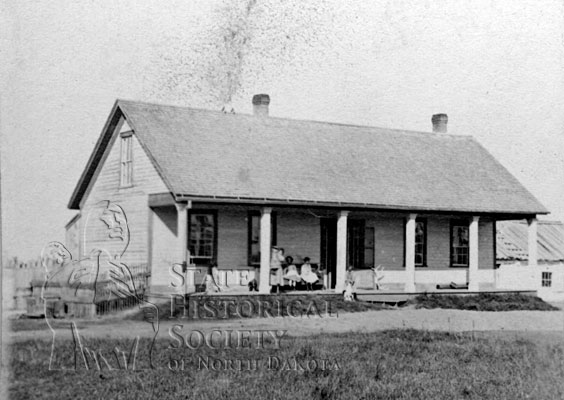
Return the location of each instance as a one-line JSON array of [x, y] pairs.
[[291, 273], [276, 260], [308, 275]]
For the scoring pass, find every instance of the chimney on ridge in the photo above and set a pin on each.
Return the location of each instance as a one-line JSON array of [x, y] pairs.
[[260, 105], [439, 123]]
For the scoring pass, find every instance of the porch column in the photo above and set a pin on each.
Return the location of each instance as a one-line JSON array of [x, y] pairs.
[[532, 231], [473, 255], [183, 255], [265, 241], [410, 253], [341, 269]]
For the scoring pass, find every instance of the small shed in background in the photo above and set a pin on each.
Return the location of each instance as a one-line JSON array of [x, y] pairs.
[[514, 271]]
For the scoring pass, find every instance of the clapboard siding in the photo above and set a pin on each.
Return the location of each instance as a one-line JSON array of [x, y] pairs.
[[486, 247], [164, 245], [388, 241], [133, 200], [438, 242], [299, 233], [232, 238]]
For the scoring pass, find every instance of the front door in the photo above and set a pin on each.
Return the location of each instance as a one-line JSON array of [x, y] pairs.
[[355, 243], [328, 252]]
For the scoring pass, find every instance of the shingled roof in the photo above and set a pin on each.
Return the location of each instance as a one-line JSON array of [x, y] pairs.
[[212, 154], [512, 241]]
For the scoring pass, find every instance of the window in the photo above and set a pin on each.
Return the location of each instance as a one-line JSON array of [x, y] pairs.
[[546, 279], [459, 244], [126, 166], [253, 238], [420, 243], [202, 240], [360, 244]]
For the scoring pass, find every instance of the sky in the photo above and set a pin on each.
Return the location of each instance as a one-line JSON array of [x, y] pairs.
[[495, 67]]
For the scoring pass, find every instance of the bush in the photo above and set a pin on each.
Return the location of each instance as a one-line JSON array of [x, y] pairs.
[[483, 302]]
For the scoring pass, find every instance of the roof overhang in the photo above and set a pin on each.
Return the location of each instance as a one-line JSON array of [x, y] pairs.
[[96, 157], [168, 199]]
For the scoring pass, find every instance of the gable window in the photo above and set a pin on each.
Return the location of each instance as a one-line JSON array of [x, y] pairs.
[[253, 236], [202, 240], [459, 254], [546, 279], [420, 243], [126, 160]]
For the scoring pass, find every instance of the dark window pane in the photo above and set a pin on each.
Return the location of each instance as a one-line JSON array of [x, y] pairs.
[[254, 236], [459, 249], [202, 237]]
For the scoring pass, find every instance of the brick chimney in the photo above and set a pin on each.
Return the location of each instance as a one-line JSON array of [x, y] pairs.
[[260, 105], [439, 123]]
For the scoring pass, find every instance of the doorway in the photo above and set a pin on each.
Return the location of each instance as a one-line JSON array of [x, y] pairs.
[[328, 251]]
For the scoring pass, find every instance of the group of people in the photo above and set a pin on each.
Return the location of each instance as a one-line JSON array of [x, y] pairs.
[[283, 269]]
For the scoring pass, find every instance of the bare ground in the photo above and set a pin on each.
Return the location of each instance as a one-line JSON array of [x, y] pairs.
[[369, 321]]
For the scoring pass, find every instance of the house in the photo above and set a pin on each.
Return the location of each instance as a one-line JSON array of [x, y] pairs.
[[514, 270], [201, 186]]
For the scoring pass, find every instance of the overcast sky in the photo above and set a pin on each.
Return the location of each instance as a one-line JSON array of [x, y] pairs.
[[495, 67]]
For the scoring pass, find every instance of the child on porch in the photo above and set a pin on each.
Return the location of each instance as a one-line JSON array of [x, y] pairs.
[[308, 275], [212, 279], [291, 273], [349, 283]]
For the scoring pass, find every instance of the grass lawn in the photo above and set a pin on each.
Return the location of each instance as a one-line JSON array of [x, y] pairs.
[[484, 302], [396, 364]]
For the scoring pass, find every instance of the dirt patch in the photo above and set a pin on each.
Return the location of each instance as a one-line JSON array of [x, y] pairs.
[[367, 321]]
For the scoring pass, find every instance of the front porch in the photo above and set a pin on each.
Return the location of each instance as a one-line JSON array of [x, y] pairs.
[[416, 251]]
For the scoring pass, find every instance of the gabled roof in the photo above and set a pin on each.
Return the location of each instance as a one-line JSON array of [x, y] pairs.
[[234, 156], [512, 241]]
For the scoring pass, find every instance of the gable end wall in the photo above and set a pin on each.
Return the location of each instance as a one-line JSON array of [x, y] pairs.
[[133, 200]]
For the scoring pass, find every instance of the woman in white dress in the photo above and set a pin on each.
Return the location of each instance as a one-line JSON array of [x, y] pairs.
[[291, 273], [308, 275], [276, 260]]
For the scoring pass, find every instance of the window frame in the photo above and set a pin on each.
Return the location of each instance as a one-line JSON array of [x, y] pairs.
[[453, 224], [424, 222], [355, 244], [203, 260], [370, 236], [126, 166], [546, 279], [273, 234]]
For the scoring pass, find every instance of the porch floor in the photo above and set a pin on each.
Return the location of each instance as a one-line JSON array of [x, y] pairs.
[[372, 295], [362, 294]]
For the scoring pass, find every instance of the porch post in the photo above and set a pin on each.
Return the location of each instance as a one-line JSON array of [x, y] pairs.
[[265, 241], [410, 253], [183, 255], [341, 269], [532, 231], [473, 255]]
